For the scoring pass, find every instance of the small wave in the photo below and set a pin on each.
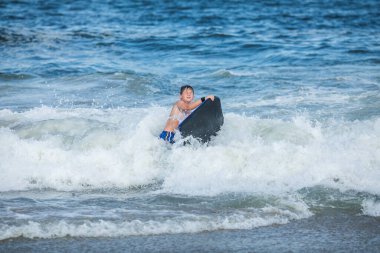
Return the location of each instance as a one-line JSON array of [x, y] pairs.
[[13, 38], [132, 228], [86, 34], [358, 51], [224, 73], [18, 76], [190, 223], [211, 35]]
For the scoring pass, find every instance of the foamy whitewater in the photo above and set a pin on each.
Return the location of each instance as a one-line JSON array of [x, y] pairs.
[[85, 91], [90, 148]]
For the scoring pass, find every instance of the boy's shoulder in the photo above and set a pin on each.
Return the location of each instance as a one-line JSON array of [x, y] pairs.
[[179, 103]]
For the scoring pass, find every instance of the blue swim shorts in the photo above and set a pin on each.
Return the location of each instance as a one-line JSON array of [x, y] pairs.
[[167, 136]]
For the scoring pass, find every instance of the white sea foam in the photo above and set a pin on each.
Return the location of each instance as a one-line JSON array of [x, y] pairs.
[[136, 227], [371, 207], [81, 148], [71, 149], [273, 155]]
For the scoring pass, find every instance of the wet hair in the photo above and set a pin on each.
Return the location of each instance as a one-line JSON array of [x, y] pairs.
[[184, 87]]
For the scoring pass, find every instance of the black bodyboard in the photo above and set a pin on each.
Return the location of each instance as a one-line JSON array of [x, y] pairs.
[[204, 122]]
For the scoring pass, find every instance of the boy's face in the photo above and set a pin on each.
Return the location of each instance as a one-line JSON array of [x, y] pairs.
[[187, 95]]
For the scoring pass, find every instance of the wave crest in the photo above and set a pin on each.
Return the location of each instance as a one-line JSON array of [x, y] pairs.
[[90, 148]]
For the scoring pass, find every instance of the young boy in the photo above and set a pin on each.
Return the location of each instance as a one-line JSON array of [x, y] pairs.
[[181, 109]]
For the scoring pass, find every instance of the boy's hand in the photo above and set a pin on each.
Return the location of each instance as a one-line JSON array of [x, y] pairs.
[[210, 97]]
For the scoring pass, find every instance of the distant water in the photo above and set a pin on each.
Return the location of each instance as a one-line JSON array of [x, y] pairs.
[[86, 87]]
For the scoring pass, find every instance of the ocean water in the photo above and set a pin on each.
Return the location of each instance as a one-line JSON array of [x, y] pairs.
[[86, 88]]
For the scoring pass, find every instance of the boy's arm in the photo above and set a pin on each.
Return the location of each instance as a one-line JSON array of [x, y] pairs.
[[193, 105]]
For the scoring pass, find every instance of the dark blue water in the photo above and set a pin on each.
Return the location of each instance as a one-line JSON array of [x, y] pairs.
[[122, 53], [86, 87]]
